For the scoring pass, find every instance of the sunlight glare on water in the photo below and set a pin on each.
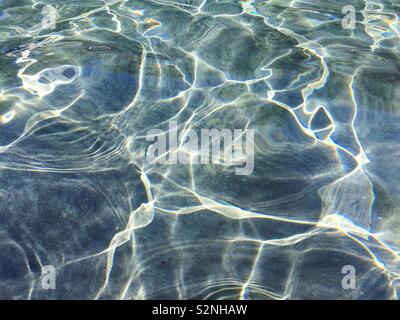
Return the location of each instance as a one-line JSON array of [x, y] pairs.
[[82, 84]]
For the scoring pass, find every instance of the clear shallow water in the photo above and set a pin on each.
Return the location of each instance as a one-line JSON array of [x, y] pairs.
[[77, 192]]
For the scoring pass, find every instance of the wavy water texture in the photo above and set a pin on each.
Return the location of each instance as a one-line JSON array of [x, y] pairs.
[[76, 190]]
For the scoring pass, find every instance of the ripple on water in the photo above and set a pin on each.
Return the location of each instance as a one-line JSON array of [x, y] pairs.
[[76, 104]]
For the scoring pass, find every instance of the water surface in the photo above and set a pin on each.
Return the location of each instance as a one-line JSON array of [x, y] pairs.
[[76, 190]]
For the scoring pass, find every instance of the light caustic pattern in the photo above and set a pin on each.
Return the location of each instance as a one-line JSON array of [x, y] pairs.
[[76, 191]]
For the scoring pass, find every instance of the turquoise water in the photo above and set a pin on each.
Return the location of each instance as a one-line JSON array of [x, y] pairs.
[[77, 192]]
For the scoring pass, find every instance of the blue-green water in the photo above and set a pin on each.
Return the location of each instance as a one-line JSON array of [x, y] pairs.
[[78, 99]]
